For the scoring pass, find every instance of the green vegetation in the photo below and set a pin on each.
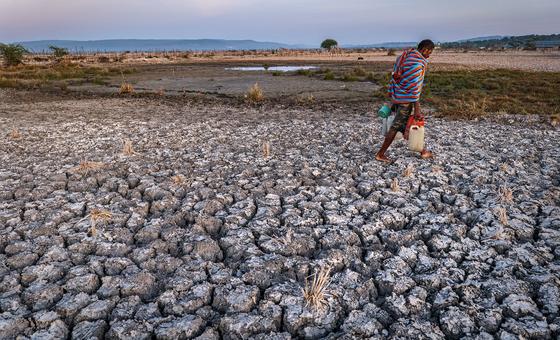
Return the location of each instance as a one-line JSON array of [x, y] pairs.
[[59, 52], [524, 41], [28, 76], [12, 54], [329, 44], [469, 94]]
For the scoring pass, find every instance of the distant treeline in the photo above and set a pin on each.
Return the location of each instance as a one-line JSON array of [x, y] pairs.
[[518, 42]]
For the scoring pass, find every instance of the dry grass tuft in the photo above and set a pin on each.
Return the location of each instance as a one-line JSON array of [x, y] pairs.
[[255, 94], [15, 134], [555, 120], [504, 167], [160, 92], [505, 194], [409, 171], [127, 148], [395, 185], [266, 149], [86, 166], [126, 88], [436, 169], [315, 292], [501, 213], [98, 215], [181, 181]]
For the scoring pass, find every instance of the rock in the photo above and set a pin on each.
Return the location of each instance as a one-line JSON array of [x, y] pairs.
[[40, 296], [186, 327], [128, 329], [98, 310], [90, 330], [142, 284], [455, 323], [12, 326]]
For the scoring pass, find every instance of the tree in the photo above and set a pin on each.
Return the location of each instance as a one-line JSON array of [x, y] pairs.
[[12, 53], [58, 52], [329, 44]]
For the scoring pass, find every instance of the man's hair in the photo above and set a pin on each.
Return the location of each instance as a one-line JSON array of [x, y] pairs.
[[426, 44]]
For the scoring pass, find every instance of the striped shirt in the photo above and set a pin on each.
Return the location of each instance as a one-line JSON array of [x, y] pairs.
[[408, 77]]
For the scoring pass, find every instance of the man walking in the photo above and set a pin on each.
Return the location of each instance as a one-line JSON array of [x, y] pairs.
[[405, 89]]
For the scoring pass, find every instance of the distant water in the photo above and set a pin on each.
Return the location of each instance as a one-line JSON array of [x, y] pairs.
[[272, 68]]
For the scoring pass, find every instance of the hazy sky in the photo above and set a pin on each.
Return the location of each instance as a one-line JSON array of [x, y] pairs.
[[288, 21]]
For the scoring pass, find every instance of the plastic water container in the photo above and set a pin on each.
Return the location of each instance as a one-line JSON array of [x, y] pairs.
[[416, 138], [384, 111]]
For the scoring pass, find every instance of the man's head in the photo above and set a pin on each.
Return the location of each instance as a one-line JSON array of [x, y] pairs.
[[426, 47]]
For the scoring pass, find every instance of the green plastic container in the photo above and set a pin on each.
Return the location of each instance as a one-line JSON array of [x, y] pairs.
[[384, 111]]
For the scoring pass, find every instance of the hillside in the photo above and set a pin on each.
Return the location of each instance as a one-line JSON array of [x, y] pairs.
[[524, 41], [121, 45]]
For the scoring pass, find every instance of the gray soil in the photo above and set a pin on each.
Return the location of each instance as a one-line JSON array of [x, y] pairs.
[[215, 79], [225, 251]]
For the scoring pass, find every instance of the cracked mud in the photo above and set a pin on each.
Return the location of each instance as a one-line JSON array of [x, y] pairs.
[[194, 234]]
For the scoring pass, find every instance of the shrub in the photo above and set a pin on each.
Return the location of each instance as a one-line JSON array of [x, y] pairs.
[[255, 94], [391, 52], [13, 54], [59, 52], [276, 73], [304, 72], [349, 77], [126, 88], [329, 76], [360, 72]]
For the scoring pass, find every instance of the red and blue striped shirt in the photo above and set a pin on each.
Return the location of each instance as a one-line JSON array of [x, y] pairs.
[[408, 77]]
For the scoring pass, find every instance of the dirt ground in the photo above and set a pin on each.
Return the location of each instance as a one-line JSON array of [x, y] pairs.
[[197, 232]]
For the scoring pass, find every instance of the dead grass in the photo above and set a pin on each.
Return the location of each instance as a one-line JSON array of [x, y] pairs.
[[395, 185], [315, 292], [501, 213], [506, 195], [180, 181], [127, 148], [15, 134], [98, 215], [255, 94], [86, 167], [436, 169], [126, 88], [409, 171], [266, 149]]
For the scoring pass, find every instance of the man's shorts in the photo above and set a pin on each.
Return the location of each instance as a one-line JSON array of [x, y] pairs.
[[401, 118]]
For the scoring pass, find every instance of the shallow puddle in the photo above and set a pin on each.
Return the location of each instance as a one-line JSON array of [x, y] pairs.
[[272, 68]]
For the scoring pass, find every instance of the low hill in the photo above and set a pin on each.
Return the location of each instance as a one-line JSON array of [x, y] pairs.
[[524, 41], [121, 45]]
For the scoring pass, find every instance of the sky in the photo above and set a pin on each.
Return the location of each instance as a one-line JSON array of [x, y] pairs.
[[285, 21]]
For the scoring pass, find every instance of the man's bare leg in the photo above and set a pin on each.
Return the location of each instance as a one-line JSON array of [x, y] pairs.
[[389, 137]]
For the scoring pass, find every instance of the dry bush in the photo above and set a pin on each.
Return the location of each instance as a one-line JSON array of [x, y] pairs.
[[315, 292], [86, 166], [395, 185], [98, 215], [126, 88], [306, 99], [15, 134], [255, 94], [555, 120], [501, 213], [160, 92], [266, 149], [409, 171], [505, 194], [127, 148]]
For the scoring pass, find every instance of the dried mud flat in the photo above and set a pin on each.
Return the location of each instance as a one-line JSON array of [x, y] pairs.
[[196, 234]]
